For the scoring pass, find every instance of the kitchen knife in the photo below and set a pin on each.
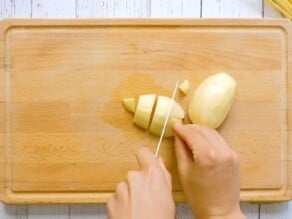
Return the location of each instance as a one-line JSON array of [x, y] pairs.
[[166, 119]]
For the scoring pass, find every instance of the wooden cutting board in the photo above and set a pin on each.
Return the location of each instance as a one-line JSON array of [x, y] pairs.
[[65, 137]]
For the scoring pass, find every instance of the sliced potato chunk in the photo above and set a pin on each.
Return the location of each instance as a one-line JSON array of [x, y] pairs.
[[160, 113], [184, 87], [129, 104], [144, 110], [212, 100]]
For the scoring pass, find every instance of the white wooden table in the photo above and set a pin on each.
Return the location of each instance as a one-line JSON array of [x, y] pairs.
[[137, 9]]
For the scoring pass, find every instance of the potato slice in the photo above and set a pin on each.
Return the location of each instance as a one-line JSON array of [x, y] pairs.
[[144, 110], [184, 87], [129, 104], [212, 100], [176, 115]]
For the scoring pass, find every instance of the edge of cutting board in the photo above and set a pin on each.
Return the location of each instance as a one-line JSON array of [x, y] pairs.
[[6, 195], [289, 70]]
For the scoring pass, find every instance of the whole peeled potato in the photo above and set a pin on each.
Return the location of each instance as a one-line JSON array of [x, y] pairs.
[[212, 100]]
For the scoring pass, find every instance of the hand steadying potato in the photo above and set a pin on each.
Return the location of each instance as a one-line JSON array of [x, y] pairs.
[[146, 193], [209, 172]]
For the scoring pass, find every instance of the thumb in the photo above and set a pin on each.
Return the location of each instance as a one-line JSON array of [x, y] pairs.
[[165, 172]]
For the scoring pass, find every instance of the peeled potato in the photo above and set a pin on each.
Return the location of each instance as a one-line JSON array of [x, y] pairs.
[[184, 87], [162, 106], [144, 109], [129, 104], [212, 100]]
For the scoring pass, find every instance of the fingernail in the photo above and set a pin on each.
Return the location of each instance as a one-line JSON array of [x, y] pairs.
[[176, 125]]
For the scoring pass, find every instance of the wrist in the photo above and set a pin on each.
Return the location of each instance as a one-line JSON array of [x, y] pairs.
[[235, 214]]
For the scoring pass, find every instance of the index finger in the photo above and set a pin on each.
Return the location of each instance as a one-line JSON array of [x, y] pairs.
[[196, 142], [146, 158]]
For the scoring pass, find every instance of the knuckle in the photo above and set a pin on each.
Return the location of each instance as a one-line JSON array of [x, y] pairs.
[[212, 157], [158, 171], [132, 176], [232, 158]]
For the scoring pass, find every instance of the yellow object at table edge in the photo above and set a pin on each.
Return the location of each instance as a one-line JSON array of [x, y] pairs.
[[281, 7]]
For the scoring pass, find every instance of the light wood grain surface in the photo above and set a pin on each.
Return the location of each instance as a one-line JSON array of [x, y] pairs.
[[68, 128], [133, 8]]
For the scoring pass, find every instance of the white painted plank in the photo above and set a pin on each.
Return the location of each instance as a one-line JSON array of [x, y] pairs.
[[48, 211], [10, 9], [276, 210], [101, 212], [112, 8], [235, 9], [51, 9], [54, 8], [91, 9], [13, 211], [95, 8], [177, 9], [132, 8], [232, 8], [21, 9], [104, 9], [5, 9], [19, 211], [270, 12], [183, 212], [87, 212], [174, 8], [251, 211]]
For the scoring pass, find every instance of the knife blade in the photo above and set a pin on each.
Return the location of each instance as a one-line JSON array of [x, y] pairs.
[[166, 119]]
